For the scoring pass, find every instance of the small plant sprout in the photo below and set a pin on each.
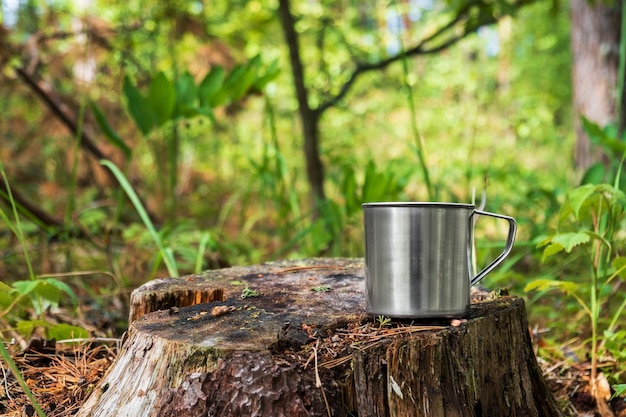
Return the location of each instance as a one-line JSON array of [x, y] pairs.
[[321, 288], [383, 321], [248, 292]]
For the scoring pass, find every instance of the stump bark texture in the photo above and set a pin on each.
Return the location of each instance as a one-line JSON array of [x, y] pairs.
[[292, 338]]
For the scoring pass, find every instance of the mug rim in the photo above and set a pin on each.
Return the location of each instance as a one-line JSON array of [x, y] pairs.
[[417, 204]]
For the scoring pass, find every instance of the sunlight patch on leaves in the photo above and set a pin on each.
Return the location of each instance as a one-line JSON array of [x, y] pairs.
[[563, 241], [567, 287]]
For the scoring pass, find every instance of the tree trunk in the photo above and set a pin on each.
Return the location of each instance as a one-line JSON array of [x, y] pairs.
[[308, 117], [595, 38], [300, 344]]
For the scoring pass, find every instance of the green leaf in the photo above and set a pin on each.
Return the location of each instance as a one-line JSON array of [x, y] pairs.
[[25, 287], [26, 327], [61, 286], [567, 287], [551, 249], [186, 96], [65, 331], [108, 131], [349, 190], [593, 130], [7, 295], [210, 85], [579, 196], [606, 137], [619, 390], [271, 72], [614, 196], [138, 107], [373, 185], [570, 240], [244, 81], [162, 98], [594, 175], [48, 292]]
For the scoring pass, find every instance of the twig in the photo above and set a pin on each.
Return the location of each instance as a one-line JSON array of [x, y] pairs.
[[318, 381], [6, 383]]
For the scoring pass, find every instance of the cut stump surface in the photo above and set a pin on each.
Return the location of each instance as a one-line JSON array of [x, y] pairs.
[[292, 338]]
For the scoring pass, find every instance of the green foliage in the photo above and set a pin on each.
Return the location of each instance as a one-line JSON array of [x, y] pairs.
[[169, 100], [590, 220], [606, 138], [42, 293], [620, 389]]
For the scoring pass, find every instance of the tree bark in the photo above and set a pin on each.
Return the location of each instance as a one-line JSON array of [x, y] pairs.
[[300, 344], [308, 117], [595, 39]]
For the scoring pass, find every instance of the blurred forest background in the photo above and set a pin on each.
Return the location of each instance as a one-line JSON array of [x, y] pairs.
[[145, 139]]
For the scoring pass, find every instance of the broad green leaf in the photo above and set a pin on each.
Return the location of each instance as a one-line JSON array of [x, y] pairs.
[[26, 287], [594, 175], [4, 288], [208, 112], [374, 185], [138, 107], [349, 189], [271, 72], [26, 327], [210, 85], [234, 83], [614, 196], [567, 287], [242, 87], [108, 131], [619, 390], [7, 295], [579, 196], [606, 137], [64, 288], [570, 240], [186, 96], [65, 331], [162, 98], [544, 241], [593, 130], [44, 296], [551, 249]]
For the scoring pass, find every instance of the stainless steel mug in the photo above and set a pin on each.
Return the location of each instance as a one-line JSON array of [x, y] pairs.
[[418, 258]]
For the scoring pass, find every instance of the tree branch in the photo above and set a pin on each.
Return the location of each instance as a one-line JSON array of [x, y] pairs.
[[420, 49], [61, 112]]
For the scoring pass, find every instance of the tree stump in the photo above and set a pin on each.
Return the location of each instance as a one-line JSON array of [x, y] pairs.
[[292, 339]]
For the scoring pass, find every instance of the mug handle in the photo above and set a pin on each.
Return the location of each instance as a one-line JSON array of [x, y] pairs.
[[509, 243]]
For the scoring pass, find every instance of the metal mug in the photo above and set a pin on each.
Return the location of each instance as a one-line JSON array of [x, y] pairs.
[[418, 258]]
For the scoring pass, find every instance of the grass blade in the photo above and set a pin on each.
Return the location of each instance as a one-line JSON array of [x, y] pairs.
[[6, 357], [166, 253]]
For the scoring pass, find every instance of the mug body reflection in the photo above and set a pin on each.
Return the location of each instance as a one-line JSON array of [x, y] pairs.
[[418, 258]]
